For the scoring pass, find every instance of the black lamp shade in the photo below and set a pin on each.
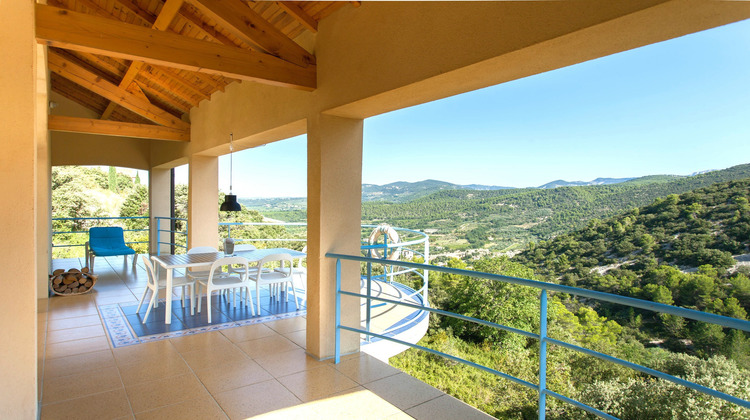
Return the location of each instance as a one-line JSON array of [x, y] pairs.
[[230, 203]]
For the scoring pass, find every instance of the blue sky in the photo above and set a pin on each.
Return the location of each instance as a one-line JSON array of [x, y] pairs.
[[672, 108]]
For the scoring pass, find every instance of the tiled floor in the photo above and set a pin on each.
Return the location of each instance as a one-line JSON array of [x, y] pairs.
[[252, 371]]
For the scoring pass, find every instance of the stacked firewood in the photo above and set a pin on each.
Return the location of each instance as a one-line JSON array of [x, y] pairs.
[[72, 282]]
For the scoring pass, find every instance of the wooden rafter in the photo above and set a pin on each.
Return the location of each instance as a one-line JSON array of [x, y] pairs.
[[168, 12], [82, 32], [114, 93], [116, 128], [299, 15], [252, 28]]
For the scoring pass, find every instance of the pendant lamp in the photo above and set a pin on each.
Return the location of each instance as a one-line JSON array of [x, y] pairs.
[[230, 201]]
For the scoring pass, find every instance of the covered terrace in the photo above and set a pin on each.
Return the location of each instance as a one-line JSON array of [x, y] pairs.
[[156, 84]]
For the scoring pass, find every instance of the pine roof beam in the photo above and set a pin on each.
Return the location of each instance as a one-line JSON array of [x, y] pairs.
[[299, 15], [247, 25], [116, 128], [114, 93], [81, 32], [167, 14]]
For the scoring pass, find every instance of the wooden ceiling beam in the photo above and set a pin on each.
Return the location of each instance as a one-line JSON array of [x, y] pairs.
[[299, 15], [143, 14], [116, 128], [114, 93], [152, 79], [247, 25], [161, 23], [173, 74], [83, 32]]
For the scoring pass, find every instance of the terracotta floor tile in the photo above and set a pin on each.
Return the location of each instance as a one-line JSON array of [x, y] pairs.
[[365, 369], [286, 363], [58, 336], [225, 377], [287, 325], [78, 363], [66, 323], [204, 408], [446, 407], [144, 353], [79, 385], [73, 311], [253, 400], [106, 405], [317, 383], [67, 348], [207, 357], [247, 332], [140, 372], [199, 341], [267, 346], [403, 391], [297, 337], [167, 391]]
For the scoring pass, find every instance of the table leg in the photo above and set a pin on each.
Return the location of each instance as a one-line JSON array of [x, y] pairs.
[[168, 309]]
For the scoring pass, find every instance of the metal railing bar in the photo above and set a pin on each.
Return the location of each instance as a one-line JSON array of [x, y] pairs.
[[649, 371], [100, 218], [446, 355], [442, 312], [580, 405], [86, 231], [607, 297]]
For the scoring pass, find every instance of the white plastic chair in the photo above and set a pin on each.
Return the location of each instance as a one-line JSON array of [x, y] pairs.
[[281, 276], [155, 285], [300, 271], [195, 275], [219, 280]]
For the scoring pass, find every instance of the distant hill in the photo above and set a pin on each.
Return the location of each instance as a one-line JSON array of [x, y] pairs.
[[404, 191], [504, 219], [597, 181]]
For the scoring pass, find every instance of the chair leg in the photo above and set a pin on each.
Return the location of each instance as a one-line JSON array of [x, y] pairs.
[[257, 295], [294, 292], [192, 299], [141, 301], [200, 295], [151, 304], [249, 300], [208, 303], [135, 258], [182, 297]]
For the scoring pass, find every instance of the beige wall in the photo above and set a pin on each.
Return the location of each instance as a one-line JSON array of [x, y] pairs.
[[334, 207], [203, 201], [159, 190], [18, 219]]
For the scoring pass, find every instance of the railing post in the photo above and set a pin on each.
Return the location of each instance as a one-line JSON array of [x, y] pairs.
[[368, 302], [543, 355], [337, 332], [426, 273], [158, 236]]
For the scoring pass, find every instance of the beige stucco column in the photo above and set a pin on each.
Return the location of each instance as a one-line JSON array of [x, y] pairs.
[[203, 201], [19, 248], [159, 191], [334, 207]]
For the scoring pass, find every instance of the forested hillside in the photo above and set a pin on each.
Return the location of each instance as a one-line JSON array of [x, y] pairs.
[[676, 250], [503, 219], [81, 192]]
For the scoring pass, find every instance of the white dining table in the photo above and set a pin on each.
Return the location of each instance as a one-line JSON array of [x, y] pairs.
[[171, 262]]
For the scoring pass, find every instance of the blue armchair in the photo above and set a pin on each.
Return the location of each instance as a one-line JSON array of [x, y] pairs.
[[105, 242]]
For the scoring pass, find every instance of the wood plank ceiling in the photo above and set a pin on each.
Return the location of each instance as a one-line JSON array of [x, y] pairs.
[[141, 65]]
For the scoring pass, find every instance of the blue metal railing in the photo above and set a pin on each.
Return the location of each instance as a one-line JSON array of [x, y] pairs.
[[72, 219], [172, 231], [541, 387]]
